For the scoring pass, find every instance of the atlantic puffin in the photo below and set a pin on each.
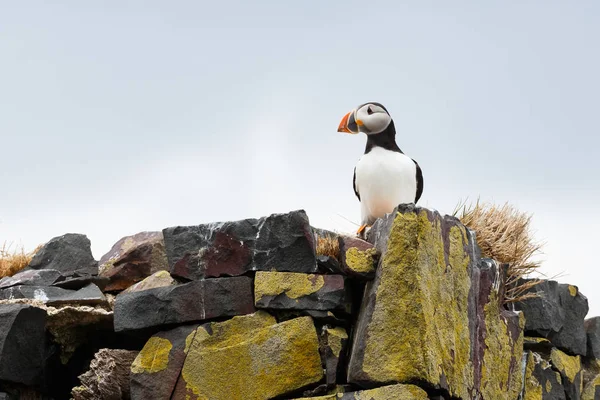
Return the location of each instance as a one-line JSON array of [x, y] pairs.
[[384, 176]]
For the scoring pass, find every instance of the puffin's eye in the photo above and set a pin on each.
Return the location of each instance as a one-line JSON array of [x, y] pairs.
[[369, 111]]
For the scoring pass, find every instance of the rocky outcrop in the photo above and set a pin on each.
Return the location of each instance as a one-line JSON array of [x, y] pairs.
[[254, 309], [108, 376]]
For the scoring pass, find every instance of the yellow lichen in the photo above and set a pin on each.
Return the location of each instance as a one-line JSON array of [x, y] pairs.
[[336, 336], [410, 337], [538, 340], [498, 381], [589, 392], [360, 261], [572, 290], [293, 285], [188, 341], [569, 366], [532, 389], [154, 357], [260, 364], [392, 392], [548, 387]]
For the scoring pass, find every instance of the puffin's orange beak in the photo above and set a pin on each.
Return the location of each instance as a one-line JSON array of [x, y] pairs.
[[348, 124]]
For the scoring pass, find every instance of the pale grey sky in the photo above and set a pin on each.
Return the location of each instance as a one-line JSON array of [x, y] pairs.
[[118, 117]]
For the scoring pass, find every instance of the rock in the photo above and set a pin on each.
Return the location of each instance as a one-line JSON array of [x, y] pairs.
[[226, 362], [22, 343], [328, 265], [155, 371], [392, 392], [297, 291], [156, 280], [108, 376], [73, 326], [32, 277], [51, 295], [591, 389], [79, 282], [541, 381], [282, 242], [358, 258], [332, 346], [132, 259], [180, 304], [570, 371], [433, 315], [67, 254], [556, 314], [592, 331]]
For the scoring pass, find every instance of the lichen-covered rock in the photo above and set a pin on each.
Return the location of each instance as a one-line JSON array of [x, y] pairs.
[[31, 277], [156, 280], [570, 371], [236, 362], [282, 242], [22, 343], [53, 296], [155, 370], [297, 291], [191, 302], [358, 258], [67, 254], [132, 259], [541, 381], [433, 315], [107, 378], [591, 389], [392, 392], [557, 313], [332, 345]]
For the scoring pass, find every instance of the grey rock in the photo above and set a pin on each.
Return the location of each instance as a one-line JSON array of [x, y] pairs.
[[22, 343], [282, 242], [179, 304], [556, 314], [78, 282], [52, 295], [67, 254], [32, 277], [592, 330]]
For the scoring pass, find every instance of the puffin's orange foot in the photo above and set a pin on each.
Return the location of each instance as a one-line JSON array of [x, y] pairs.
[[361, 230]]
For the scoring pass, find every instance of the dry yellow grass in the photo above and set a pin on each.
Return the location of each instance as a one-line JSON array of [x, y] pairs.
[[328, 245], [504, 234], [12, 260]]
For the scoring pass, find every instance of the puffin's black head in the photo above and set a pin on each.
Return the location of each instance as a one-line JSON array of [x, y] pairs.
[[370, 118]]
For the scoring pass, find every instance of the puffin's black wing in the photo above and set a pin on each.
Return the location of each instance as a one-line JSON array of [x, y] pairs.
[[354, 184], [419, 182]]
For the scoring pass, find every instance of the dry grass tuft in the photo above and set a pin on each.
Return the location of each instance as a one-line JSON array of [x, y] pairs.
[[504, 234], [328, 245], [14, 260]]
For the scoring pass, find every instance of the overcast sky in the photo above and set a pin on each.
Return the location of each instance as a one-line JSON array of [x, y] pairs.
[[123, 116]]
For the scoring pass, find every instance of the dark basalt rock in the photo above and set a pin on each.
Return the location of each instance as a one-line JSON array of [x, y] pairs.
[[132, 259], [282, 242], [592, 330], [22, 343], [67, 254], [79, 282], [153, 380], [32, 277], [332, 346], [296, 291], [557, 313], [52, 295], [179, 304]]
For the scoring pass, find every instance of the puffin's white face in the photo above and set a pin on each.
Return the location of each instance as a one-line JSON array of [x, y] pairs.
[[369, 118]]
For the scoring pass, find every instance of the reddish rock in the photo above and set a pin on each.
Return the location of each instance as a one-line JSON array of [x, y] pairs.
[[132, 259]]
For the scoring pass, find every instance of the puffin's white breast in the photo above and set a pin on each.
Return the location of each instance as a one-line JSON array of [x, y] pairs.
[[384, 179]]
